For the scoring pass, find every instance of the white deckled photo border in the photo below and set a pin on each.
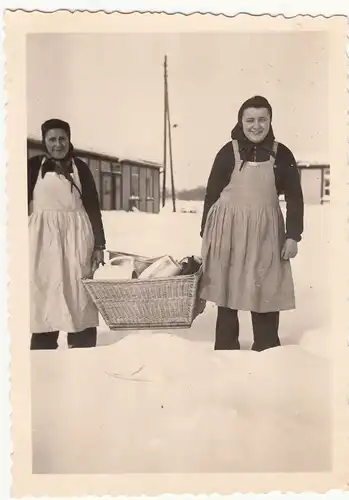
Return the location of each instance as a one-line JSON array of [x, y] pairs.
[[17, 25]]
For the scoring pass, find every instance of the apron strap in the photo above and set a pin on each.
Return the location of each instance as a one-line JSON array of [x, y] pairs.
[[236, 151], [273, 156], [41, 164], [76, 177]]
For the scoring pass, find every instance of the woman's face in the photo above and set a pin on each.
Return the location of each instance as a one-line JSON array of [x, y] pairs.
[[256, 123], [57, 143]]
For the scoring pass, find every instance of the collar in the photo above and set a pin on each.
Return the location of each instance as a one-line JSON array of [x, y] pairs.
[[50, 165]]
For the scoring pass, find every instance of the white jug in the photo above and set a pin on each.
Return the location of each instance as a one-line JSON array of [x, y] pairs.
[[118, 268]]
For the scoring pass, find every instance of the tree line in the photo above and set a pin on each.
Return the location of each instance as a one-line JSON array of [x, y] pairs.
[[194, 194]]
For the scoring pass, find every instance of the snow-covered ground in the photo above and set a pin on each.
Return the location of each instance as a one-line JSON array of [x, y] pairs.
[[166, 402]]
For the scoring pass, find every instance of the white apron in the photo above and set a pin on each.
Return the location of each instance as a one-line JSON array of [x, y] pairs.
[[61, 244]]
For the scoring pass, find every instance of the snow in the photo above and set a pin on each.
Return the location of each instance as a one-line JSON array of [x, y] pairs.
[[166, 402], [324, 164]]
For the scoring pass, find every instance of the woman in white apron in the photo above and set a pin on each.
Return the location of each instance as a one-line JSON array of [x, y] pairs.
[[246, 247], [66, 241]]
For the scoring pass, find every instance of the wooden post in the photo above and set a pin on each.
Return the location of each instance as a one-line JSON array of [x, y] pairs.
[[171, 158], [165, 135]]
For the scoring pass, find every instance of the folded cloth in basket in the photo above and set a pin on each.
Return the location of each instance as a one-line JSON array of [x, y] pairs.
[[140, 263], [136, 266], [164, 267]]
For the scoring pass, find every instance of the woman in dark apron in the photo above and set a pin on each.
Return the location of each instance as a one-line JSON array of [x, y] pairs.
[[246, 247]]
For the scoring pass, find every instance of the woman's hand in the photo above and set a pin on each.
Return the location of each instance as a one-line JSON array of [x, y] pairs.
[[97, 260], [290, 249]]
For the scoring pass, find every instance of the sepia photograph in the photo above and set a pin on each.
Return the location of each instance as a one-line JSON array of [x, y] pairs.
[[179, 197], [192, 167]]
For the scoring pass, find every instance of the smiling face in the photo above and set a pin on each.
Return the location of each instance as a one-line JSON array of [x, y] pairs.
[[57, 143], [256, 123]]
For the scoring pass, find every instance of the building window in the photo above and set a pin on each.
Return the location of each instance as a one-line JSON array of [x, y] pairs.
[[150, 190], [135, 188], [116, 168], [150, 184], [135, 181], [105, 166], [107, 192], [118, 191]]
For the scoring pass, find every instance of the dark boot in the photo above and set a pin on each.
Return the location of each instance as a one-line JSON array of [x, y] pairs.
[[227, 329], [85, 338], [46, 340], [265, 330]]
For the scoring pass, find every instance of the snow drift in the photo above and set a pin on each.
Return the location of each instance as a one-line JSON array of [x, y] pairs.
[[166, 402]]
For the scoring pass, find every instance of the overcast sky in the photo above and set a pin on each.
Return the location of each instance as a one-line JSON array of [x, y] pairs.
[[110, 88]]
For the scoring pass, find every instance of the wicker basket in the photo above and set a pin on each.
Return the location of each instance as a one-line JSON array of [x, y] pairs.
[[147, 304]]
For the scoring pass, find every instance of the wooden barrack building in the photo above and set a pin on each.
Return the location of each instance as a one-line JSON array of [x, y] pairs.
[[122, 184]]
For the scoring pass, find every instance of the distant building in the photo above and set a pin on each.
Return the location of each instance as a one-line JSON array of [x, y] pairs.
[[315, 179], [122, 184]]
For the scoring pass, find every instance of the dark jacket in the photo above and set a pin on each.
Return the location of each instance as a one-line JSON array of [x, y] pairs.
[[287, 182], [89, 195]]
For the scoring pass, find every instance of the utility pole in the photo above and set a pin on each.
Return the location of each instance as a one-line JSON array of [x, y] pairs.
[[165, 135], [171, 158], [167, 129]]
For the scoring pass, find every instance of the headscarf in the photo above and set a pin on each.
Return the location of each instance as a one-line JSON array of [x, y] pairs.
[[246, 146], [63, 166], [55, 123]]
